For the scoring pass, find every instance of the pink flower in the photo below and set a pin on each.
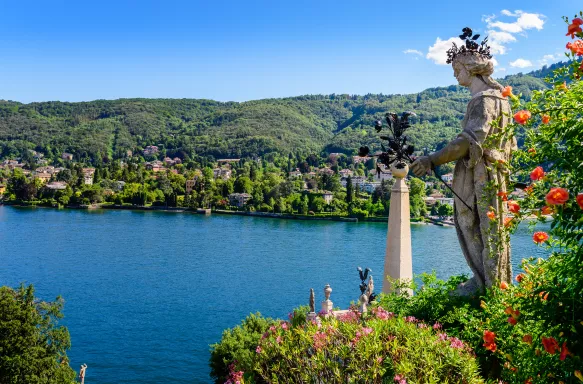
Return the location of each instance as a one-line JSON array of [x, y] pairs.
[[278, 340], [379, 359], [442, 336], [421, 325], [437, 326], [258, 349], [367, 331], [400, 379], [284, 326], [456, 343], [410, 319]]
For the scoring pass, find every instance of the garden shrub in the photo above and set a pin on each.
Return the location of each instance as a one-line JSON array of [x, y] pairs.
[[376, 348], [237, 346]]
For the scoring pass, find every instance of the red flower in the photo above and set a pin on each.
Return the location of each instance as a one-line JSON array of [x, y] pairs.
[[544, 295], [546, 210], [489, 336], [507, 91], [564, 351], [529, 189], [503, 285], [507, 221], [540, 237], [546, 119], [551, 345], [513, 206], [490, 346], [527, 339], [557, 196], [491, 215], [532, 151], [521, 117], [580, 200], [574, 27], [512, 320], [519, 277], [537, 174], [503, 195]]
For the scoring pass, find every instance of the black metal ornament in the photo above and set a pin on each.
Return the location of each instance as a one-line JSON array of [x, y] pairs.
[[397, 149]]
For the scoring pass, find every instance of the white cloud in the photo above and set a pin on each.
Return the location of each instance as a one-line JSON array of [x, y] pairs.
[[438, 51], [520, 63], [525, 21], [500, 69], [549, 59], [496, 48], [413, 51], [501, 37], [506, 12], [494, 61]]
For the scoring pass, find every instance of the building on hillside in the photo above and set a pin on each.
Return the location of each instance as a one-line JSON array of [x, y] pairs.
[[56, 185], [360, 159], [151, 150], [356, 180], [67, 156], [445, 200], [46, 169], [345, 173], [223, 173], [43, 176], [88, 175], [239, 199], [448, 178], [326, 171], [295, 174], [190, 184], [370, 186], [12, 164], [328, 196]]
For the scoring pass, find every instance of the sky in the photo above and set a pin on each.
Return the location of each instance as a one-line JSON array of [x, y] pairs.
[[248, 50]]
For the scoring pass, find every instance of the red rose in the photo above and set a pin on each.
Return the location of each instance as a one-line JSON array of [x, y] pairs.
[[503, 195], [580, 200], [540, 237], [491, 215], [557, 196], [512, 320], [537, 174], [521, 117], [546, 210], [519, 277], [546, 119], [489, 336], [503, 285], [527, 339]]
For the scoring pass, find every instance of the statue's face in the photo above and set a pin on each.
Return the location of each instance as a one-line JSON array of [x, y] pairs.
[[462, 75]]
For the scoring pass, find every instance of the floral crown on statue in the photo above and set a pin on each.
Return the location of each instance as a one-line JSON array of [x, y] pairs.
[[470, 46]]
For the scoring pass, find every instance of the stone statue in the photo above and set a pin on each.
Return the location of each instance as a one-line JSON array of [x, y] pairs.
[[482, 151]]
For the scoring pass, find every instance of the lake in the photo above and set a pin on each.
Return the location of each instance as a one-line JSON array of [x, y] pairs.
[[147, 292]]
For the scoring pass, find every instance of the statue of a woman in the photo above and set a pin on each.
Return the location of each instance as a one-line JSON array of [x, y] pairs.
[[482, 151]]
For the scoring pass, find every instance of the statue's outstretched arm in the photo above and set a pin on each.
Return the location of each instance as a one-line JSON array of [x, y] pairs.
[[454, 150]]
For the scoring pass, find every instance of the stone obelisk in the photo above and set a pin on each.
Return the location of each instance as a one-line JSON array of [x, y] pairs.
[[398, 260]]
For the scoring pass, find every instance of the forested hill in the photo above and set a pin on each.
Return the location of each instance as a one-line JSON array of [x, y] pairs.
[[188, 128]]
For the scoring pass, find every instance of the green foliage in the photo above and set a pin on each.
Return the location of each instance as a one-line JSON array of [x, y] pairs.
[[238, 345], [379, 348], [32, 344]]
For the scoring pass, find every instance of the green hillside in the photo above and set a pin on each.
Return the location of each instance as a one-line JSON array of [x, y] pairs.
[[195, 129]]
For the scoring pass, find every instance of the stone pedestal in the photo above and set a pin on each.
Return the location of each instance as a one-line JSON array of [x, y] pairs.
[[398, 260], [327, 304]]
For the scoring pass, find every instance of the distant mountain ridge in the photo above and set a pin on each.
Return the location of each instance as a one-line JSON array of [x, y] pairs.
[[195, 129]]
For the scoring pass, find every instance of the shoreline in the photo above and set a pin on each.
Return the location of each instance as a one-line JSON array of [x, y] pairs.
[[287, 216]]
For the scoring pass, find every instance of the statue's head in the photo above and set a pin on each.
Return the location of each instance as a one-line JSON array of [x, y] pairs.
[[468, 65], [472, 60]]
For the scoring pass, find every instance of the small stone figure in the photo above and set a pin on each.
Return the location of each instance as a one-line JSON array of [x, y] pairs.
[[366, 290], [312, 301], [327, 304], [82, 373]]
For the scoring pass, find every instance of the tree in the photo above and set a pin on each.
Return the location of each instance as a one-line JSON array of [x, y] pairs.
[[445, 210], [416, 195], [349, 190], [33, 347], [243, 184]]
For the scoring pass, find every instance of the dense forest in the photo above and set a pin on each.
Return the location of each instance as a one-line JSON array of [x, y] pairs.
[[101, 130]]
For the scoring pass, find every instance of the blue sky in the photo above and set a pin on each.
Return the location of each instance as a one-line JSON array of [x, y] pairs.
[[246, 50]]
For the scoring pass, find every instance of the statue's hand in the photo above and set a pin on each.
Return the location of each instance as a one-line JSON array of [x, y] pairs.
[[421, 166]]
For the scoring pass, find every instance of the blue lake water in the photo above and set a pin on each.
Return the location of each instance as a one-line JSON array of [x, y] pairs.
[[147, 292]]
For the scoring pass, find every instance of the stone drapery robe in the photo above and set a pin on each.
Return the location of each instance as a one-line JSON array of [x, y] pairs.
[[483, 246]]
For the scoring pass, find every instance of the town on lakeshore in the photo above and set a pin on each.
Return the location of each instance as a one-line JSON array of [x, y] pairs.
[[326, 186]]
